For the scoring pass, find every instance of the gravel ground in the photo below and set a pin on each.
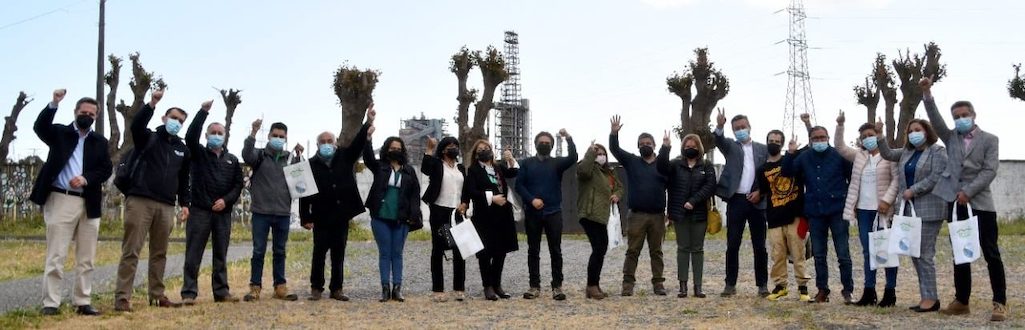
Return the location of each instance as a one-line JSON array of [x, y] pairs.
[[641, 311]]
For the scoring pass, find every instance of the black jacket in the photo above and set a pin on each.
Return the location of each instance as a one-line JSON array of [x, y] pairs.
[[433, 168], [338, 198], [213, 176], [163, 174], [495, 224], [62, 140], [409, 200], [694, 185]]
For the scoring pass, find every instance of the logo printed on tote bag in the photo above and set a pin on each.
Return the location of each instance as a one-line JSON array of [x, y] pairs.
[[904, 244]]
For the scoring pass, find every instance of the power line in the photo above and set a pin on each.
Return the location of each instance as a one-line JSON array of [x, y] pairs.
[[26, 20]]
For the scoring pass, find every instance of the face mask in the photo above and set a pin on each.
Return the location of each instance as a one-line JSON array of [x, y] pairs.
[[326, 150], [742, 135], [277, 143], [485, 156], [452, 153], [544, 149], [964, 125], [172, 126], [602, 159], [774, 149], [83, 121], [214, 141], [396, 155], [870, 143], [647, 151], [916, 138], [691, 153], [820, 146]]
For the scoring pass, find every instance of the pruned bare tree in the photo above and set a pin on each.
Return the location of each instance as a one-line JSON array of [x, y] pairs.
[[113, 80], [881, 84], [142, 82], [493, 73], [232, 98], [461, 64], [709, 86], [11, 125], [1016, 86], [355, 90]]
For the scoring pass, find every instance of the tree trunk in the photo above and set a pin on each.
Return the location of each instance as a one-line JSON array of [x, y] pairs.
[[710, 85], [232, 98], [142, 82], [11, 126], [354, 88], [113, 80]]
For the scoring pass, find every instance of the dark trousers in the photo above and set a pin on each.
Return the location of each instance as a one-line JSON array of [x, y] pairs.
[[329, 236], [990, 251], [440, 216], [491, 265], [551, 226], [264, 225], [821, 228], [640, 227], [740, 212], [201, 226], [598, 235]]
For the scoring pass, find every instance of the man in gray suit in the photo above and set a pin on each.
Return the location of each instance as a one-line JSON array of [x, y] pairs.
[[973, 160], [738, 187]]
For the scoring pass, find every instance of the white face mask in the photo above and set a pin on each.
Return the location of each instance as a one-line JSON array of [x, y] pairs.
[[602, 159]]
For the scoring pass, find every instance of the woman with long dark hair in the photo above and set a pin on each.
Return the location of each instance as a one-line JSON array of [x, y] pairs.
[[598, 191], [443, 196], [492, 215]]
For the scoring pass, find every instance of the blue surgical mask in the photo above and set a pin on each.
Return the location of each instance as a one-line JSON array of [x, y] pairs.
[[870, 143], [820, 146], [326, 150], [172, 126], [742, 135], [964, 125], [277, 143], [214, 141], [916, 138]]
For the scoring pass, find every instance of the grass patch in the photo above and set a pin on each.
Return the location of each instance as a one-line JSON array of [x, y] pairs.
[[25, 258]]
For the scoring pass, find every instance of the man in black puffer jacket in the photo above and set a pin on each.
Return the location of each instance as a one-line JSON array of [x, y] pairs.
[[216, 186]]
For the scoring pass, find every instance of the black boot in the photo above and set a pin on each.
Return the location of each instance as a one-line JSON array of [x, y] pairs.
[[385, 292], [396, 293], [889, 298], [683, 290], [868, 297]]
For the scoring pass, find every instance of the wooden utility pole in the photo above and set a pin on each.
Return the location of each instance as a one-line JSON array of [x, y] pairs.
[[99, 72]]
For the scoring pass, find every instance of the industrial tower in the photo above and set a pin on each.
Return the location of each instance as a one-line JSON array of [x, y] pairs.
[[512, 112], [799, 98]]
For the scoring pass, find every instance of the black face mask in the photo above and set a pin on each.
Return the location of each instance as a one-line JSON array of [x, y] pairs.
[[396, 155], [691, 153], [775, 149], [485, 156], [647, 151], [83, 121], [452, 153], [544, 149]]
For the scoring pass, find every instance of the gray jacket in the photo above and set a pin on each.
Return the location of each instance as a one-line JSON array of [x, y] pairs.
[[970, 171], [267, 185], [729, 180], [928, 172]]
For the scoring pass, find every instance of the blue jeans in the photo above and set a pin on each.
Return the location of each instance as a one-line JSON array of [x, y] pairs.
[[865, 221], [821, 227], [391, 238], [264, 224]]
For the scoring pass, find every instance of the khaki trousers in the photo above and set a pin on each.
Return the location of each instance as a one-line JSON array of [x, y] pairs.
[[66, 221]]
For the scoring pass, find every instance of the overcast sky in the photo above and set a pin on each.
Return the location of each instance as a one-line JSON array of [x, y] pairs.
[[582, 61]]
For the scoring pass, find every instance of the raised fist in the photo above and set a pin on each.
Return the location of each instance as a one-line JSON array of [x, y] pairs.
[[58, 95], [207, 105], [806, 118], [563, 133]]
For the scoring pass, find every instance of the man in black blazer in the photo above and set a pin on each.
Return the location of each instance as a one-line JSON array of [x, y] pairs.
[[69, 189]]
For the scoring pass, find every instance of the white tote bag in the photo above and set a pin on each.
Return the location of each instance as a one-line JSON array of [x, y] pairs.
[[906, 233], [878, 242], [299, 178], [615, 228], [964, 238], [466, 238]]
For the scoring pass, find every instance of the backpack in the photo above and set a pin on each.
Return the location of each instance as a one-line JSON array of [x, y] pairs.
[[124, 175]]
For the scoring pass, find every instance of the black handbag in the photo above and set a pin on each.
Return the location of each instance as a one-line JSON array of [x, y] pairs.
[[445, 233]]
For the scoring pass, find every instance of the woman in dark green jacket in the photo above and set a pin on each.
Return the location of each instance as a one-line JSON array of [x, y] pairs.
[[599, 190]]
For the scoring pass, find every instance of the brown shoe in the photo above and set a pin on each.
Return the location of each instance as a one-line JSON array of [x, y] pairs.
[[227, 299], [999, 312], [281, 292], [821, 297], [163, 302], [659, 289], [338, 295], [593, 292], [254, 293], [628, 289], [956, 308], [316, 294], [123, 305]]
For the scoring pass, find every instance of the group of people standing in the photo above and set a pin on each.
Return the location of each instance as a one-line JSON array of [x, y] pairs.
[[787, 198]]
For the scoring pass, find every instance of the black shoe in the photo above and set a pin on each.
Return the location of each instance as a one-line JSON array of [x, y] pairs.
[[396, 293], [48, 311], [889, 298], [557, 294], [87, 310], [385, 293], [339, 295], [918, 309], [868, 298], [683, 290], [489, 294], [316, 294], [501, 293], [763, 291], [729, 291]]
